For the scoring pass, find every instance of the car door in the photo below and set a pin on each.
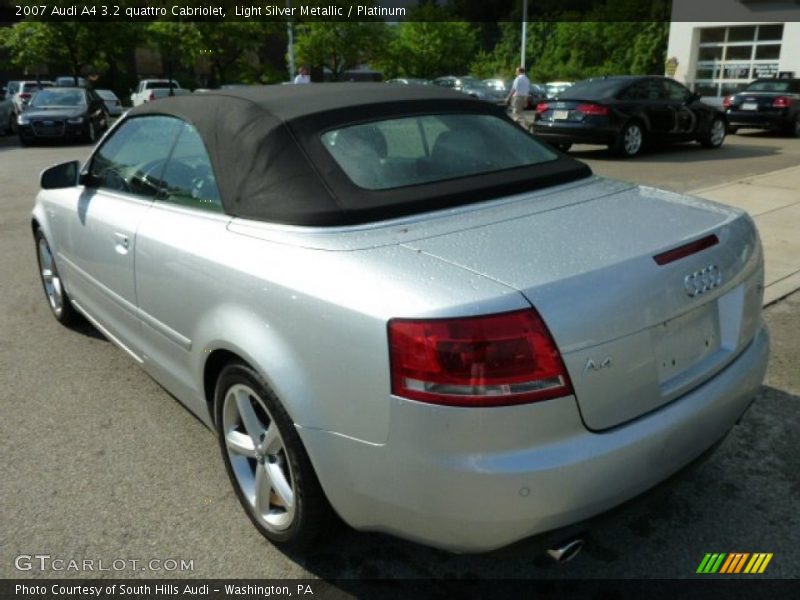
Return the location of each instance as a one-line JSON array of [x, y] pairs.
[[684, 117], [175, 285], [97, 234]]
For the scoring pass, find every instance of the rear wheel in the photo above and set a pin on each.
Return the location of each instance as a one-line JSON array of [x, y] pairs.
[[794, 128], [715, 135], [630, 141], [266, 461], [57, 298]]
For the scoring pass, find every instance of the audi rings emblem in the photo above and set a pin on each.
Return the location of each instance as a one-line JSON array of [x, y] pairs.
[[703, 280]]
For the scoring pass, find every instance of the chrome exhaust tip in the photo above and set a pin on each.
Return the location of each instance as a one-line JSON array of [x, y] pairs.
[[566, 552]]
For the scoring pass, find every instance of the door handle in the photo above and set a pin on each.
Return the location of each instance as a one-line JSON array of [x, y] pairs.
[[122, 243]]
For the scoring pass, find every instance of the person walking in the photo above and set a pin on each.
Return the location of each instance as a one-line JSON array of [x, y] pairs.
[[302, 76], [518, 95]]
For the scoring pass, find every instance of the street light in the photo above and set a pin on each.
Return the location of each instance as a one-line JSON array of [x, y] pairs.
[[524, 32]]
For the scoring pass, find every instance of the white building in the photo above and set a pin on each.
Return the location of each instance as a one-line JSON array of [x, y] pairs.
[[717, 58]]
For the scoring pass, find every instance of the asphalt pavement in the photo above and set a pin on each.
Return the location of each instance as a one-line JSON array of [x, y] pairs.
[[100, 463]]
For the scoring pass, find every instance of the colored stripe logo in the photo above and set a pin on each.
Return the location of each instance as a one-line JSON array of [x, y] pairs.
[[734, 563]]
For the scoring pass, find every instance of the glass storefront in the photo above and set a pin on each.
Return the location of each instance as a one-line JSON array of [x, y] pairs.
[[729, 58]]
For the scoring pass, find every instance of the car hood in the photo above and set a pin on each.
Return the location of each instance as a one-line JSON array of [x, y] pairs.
[[54, 113]]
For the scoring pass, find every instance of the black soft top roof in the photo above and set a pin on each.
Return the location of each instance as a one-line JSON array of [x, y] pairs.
[[264, 144]]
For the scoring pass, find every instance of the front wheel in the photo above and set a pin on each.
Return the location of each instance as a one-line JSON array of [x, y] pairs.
[[630, 141], [266, 461], [715, 135], [57, 298], [91, 133]]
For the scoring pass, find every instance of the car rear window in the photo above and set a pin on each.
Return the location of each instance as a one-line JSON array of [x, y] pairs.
[[406, 151], [154, 85], [769, 86], [593, 89]]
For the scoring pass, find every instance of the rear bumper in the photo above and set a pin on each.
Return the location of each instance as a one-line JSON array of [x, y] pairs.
[[776, 119], [475, 480], [574, 133]]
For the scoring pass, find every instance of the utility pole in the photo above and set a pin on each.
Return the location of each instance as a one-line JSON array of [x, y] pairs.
[[524, 32]]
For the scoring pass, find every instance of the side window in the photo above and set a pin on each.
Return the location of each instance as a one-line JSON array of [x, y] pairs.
[[132, 159], [636, 91], [675, 91], [189, 179]]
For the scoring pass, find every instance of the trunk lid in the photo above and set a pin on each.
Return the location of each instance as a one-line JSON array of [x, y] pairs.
[[634, 334]]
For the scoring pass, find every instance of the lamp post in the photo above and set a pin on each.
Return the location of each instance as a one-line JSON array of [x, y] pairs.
[[524, 32], [290, 45]]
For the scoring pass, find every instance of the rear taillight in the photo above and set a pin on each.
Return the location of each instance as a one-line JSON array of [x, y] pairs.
[[542, 107], [495, 360], [152, 96], [782, 102], [595, 110], [727, 101], [25, 96]]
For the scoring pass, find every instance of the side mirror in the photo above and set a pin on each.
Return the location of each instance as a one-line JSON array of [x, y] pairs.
[[60, 176]]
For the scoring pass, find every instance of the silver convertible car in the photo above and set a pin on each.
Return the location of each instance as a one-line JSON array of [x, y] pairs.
[[393, 304]]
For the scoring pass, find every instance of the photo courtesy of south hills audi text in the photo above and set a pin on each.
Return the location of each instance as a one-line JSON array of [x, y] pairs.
[[144, 590]]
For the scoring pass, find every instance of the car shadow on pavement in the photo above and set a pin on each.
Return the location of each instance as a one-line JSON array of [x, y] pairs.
[[736, 478], [680, 153]]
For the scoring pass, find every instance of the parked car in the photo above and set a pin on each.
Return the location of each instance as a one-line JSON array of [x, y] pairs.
[[627, 112], [377, 315], [554, 88], [9, 89], [766, 104], [471, 87], [69, 81], [410, 81], [497, 84], [65, 113], [153, 89], [8, 118], [113, 104], [24, 92]]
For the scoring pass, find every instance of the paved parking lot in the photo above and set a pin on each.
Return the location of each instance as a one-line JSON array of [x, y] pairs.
[[99, 462]]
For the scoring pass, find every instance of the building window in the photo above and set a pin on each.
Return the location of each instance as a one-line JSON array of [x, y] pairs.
[[729, 57]]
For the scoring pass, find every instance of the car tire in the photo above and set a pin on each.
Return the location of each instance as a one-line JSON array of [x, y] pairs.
[[715, 134], [630, 141], [562, 147], [23, 141], [10, 129], [57, 297], [794, 129], [91, 132], [266, 462]]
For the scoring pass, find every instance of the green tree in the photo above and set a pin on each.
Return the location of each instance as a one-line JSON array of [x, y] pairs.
[[339, 45], [177, 42], [230, 48], [427, 45]]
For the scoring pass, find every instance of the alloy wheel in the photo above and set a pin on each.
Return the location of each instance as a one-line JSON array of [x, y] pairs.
[[258, 458], [717, 132], [50, 278], [632, 141]]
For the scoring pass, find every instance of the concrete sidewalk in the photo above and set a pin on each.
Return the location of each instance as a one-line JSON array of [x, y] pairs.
[[773, 200]]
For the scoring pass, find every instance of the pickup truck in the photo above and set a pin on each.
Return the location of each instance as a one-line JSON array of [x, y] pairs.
[[155, 89]]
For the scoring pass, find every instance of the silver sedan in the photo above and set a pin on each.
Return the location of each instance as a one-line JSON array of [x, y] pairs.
[[392, 304]]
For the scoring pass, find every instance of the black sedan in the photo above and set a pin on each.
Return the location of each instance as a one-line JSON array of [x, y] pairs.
[[626, 113], [766, 104], [68, 113]]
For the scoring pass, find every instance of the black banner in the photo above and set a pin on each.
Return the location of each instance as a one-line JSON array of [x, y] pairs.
[[399, 10], [252, 589]]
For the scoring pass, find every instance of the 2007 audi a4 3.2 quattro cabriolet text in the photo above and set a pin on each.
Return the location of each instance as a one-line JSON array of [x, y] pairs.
[[395, 305]]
